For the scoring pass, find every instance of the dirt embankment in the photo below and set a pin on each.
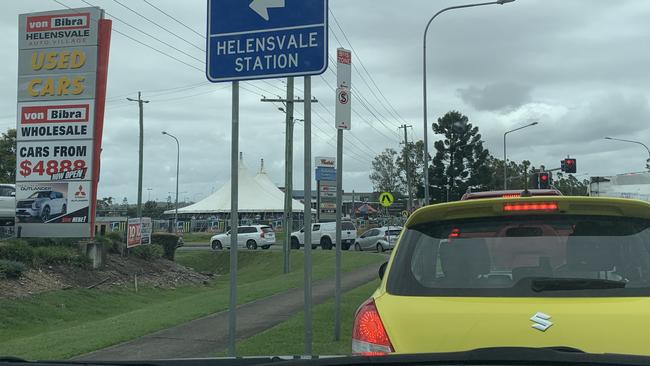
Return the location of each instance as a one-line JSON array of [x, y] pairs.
[[118, 271]]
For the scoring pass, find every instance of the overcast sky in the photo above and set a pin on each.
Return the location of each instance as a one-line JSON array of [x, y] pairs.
[[579, 67]]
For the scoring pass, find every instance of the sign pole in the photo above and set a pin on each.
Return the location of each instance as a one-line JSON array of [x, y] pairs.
[[234, 220], [342, 122], [307, 226], [339, 210]]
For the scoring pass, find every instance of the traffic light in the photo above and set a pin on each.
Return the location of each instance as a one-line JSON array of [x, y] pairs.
[[544, 180], [568, 165]]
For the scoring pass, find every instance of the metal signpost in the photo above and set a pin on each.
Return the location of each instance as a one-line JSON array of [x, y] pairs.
[[343, 122], [61, 98], [326, 188], [259, 39]]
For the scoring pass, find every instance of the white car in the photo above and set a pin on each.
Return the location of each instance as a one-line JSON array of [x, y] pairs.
[[250, 237], [323, 234], [7, 204], [380, 239], [42, 205]]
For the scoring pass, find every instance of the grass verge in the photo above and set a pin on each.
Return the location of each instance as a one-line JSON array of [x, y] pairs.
[[197, 238], [286, 338], [62, 324]]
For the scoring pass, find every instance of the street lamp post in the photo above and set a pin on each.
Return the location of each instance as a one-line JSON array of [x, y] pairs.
[[647, 165], [424, 86], [178, 160], [505, 156]]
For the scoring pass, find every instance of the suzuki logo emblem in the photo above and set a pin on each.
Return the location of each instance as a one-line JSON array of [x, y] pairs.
[[541, 321]]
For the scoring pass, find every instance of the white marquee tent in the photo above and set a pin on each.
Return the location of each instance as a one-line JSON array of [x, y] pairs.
[[256, 195]]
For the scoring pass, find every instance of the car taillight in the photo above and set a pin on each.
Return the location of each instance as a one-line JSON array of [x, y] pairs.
[[369, 337], [530, 206], [454, 233], [262, 234], [385, 238]]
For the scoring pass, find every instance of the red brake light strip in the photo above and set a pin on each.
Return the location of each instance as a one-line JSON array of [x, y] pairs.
[[531, 206]]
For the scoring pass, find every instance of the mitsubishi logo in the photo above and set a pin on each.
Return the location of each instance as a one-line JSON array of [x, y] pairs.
[[541, 321]]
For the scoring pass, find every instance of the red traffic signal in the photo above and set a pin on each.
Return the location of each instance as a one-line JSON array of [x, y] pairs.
[[544, 180], [568, 165]]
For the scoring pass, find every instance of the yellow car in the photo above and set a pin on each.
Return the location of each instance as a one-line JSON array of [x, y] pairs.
[[520, 272]]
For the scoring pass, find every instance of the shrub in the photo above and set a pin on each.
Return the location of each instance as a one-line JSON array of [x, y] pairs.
[[11, 269], [147, 252], [16, 250], [54, 256], [49, 242], [113, 241], [169, 243]]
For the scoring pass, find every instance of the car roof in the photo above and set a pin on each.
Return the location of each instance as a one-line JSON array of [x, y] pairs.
[[510, 193], [494, 207]]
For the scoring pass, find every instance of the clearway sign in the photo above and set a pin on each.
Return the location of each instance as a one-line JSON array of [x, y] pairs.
[[257, 39]]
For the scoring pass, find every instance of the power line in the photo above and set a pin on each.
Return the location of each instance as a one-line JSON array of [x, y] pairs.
[[356, 92], [174, 19], [147, 34], [367, 105], [160, 26], [364, 67]]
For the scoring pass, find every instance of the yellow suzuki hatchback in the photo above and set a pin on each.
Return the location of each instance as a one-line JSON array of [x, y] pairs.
[[522, 272]]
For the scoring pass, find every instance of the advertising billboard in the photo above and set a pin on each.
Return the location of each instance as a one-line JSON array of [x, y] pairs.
[[62, 72]]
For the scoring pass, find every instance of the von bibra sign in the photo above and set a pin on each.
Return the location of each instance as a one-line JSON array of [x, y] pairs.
[[62, 72]]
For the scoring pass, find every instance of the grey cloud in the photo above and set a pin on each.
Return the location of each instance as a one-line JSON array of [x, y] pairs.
[[495, 97]]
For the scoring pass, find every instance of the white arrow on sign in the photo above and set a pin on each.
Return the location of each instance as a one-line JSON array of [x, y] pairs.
[[261, 7]]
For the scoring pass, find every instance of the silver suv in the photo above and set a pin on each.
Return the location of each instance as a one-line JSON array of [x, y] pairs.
[[7, 204], [42, 205]]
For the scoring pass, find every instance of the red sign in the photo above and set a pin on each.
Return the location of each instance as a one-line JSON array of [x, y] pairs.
[[58, 22], [54, 113], [343, 57], [134, 234]]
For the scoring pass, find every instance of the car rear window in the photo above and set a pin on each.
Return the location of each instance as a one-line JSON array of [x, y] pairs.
[[267, 229], [511, 256], [347, 226], [393, 232]]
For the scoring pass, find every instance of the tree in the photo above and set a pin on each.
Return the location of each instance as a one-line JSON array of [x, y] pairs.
[[8, 156], [151, 209], [518, 174], [385, 175], [460, 161], [569, 185], [414, 152]]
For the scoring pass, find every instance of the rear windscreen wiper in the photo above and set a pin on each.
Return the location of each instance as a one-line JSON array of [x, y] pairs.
[[558, 284]]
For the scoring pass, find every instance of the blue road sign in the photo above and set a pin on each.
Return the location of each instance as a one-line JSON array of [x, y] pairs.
[[258, 39], [325, 174]]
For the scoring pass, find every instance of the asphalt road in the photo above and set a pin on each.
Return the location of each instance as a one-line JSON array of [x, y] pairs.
[[206, 336]]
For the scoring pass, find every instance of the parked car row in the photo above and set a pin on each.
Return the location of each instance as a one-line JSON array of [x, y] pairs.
[[323, 235]]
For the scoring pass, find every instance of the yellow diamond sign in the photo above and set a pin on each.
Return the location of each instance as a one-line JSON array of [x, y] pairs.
[[386, 199]]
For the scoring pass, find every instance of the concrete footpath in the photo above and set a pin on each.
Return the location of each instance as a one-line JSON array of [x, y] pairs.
[[206, 336]]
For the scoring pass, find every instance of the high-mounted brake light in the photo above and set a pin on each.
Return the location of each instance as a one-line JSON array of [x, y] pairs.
[[511, 195], [369, 337], [530, 206]]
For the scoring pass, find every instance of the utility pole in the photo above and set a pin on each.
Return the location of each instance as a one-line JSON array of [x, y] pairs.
[[140, 104], [406, 163], [288, 168]]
